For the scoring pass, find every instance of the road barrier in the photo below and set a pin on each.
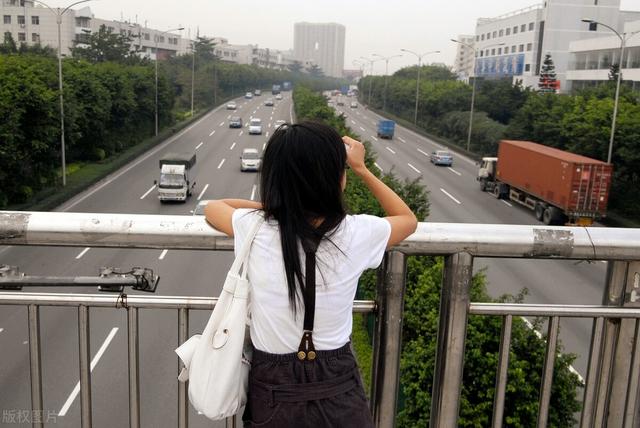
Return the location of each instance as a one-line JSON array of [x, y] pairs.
[[611, 387]]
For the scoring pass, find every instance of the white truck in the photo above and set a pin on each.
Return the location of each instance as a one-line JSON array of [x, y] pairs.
[[174, 182]]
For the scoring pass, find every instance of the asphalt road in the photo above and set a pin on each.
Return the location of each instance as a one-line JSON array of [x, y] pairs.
[[130, 190], [454, 197]]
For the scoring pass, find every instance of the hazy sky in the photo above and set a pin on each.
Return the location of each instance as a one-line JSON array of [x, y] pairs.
[[372, 26]]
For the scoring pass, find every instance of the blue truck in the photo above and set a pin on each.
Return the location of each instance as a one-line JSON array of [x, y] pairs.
[[344, 89], [286, 86], [386, 128], [275, 89]]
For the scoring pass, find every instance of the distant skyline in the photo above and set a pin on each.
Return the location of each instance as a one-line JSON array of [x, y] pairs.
[[371, 26]]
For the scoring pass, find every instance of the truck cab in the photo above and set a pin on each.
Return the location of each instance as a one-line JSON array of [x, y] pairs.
[[487, 169]]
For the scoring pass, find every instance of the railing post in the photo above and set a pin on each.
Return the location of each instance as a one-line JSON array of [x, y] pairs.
[[183, 332], [84, 343], [134, 367], [452, 329], [35, 363], [617, 353], [387, 342]]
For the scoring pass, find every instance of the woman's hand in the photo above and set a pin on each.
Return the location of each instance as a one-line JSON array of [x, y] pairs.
[[355, 155]]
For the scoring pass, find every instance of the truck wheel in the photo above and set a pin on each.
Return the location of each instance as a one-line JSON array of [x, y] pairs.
[[539, 211], [546, 216], [557, 216], [496, 191], [483, 185]]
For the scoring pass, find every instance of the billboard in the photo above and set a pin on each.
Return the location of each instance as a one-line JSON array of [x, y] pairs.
[[500, 66]]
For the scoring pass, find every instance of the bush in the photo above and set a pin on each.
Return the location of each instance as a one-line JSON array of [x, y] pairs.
[[97, 154]]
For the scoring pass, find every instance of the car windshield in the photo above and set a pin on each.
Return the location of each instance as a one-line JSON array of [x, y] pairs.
[[446, 154], [250, 155], [235, 119], [171, 181], [256, 122]]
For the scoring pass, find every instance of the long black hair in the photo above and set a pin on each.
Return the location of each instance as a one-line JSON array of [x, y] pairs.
[[300, 183]]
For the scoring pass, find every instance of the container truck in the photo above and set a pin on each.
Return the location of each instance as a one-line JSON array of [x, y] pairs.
[[386, 128], [275, 89], [174, 182], [560, 187]]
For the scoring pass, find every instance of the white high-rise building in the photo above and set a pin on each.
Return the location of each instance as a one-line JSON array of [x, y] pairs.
[[320, 44], [514, 45], [463, 65]]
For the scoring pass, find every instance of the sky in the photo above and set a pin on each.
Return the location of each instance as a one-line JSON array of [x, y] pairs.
[[372, 26]]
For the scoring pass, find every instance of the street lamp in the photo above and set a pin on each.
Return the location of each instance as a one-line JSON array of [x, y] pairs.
[[386, 77], [58, 13], [420, 56], [623, 39], [157, 36], [370, 61], [473, 88]]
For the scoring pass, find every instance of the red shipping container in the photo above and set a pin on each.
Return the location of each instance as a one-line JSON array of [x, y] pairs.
[[576, 184]]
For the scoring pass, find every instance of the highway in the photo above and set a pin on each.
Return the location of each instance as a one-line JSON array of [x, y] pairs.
[[196, 273], [454, 197]]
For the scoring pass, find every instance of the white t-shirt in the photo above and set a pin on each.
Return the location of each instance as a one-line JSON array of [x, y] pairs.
[[361, 239]]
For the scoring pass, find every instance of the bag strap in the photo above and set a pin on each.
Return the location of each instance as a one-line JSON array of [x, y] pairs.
[[243, 255]]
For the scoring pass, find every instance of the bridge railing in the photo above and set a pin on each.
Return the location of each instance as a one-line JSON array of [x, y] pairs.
[[611, 389]]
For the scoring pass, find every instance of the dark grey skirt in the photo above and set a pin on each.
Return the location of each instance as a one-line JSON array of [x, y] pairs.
[[325, 392]]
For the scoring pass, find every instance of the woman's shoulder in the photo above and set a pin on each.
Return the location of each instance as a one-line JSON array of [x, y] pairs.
[[243, 217]]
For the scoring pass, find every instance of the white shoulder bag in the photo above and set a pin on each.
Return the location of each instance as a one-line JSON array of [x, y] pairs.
[[217, 362]]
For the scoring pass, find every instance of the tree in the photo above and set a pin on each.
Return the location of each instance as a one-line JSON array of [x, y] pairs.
[[315, 71], [205, 49], [613, 72], [548, 83], [427, 72], [104, 46], [8, 45], [295, 67]]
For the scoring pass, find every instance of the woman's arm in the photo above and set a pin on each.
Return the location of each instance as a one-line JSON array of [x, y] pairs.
[[403, 221], [219, 212]]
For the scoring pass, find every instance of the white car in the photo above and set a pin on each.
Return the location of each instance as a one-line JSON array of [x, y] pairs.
[[354, 104], [231, 106], [279, 123], [255, 126], [279, 97], [248, 95], [250, 160]]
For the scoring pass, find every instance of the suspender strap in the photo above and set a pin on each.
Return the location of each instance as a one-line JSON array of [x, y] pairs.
[[306, 350]]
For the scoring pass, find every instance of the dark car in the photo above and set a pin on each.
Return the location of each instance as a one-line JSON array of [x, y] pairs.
[[442, 157], [235, 122]]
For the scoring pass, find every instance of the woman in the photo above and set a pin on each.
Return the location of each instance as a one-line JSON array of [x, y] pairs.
[[303, 372]]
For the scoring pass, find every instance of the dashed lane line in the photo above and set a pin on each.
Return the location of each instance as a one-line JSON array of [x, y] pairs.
[[82, 253], [199, 145], [390, 149], [221, 163], [212, 132], [253, 192], [414, 168], [221, 124], [378, 166], [424, 153], [454, 171], [240, 134], [362, 129], [162, 254], [353, 122], [450, 196], [374, 138], [148, 191], [204, 189], [232, 146], [401, 139], [507, 203], [65, 408]]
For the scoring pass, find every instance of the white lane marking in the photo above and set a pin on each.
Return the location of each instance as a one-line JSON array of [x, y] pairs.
[[212, 132], [221, 124], [424, 153], [603, 261], [240, 134], [94, 362], [291, 112], [232, 146], [204, 189], [138, 161], [199, 145], [449, 195], [271, 118], [362, 129], [253, 192], [390, 149], [1, 330], [221, 163], [377, 166], [82, 253], [374, 138], [267, 134], [353, 121], [539, 335], [401, 139], [269, 125], [25, 342], [264, 145], [246, 125], [162, 254], [254, 112], [148, 191], [507, 203], [229, 117], [454, 171], [414, 168]]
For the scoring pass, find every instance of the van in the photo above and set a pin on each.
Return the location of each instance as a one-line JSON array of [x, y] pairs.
[[250, 160], [255, 126]]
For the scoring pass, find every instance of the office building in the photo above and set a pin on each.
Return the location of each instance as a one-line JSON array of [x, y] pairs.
[[321, 44], [463, 65], [514, 45]]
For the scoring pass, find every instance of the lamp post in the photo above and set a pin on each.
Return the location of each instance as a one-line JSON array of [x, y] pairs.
[[623, 40], [58, 12], [420, 56], [193, 71], [386, 77], [370, 61], [157, 36], [473, 87]]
